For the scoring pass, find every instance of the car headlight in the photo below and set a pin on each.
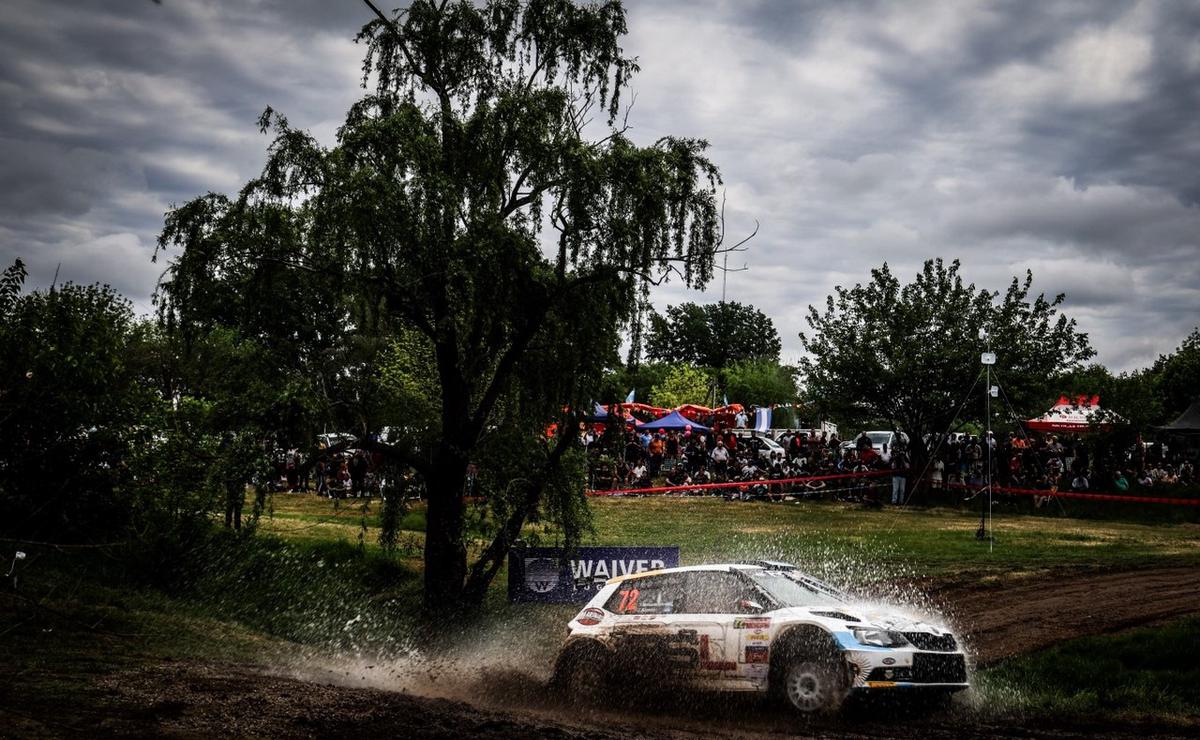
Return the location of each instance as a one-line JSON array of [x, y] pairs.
[[879, 638]]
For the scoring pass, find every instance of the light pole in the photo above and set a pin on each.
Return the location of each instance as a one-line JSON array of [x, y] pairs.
[[987, 359]]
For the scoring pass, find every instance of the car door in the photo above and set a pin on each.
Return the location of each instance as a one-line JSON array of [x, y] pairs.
[[645, 627], [711, 607]]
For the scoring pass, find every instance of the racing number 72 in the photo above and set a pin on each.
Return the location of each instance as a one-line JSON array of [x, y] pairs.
[[629, 599]]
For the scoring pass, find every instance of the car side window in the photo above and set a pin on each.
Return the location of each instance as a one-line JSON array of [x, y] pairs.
[[714, 592], [652, 595]]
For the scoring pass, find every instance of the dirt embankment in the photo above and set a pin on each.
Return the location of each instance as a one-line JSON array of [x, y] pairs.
[[189, 699]]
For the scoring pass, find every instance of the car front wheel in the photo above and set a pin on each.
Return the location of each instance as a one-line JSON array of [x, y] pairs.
[[813, 687]]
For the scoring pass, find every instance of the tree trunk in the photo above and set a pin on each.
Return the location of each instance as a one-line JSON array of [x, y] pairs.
[[445, 549]]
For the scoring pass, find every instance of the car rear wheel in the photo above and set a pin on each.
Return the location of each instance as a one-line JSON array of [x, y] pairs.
[[582, 677]]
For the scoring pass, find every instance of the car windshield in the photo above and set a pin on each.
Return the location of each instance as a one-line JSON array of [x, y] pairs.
[[794, 589], [878, 438]]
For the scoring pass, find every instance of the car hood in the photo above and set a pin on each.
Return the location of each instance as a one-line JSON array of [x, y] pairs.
[[873, 615]]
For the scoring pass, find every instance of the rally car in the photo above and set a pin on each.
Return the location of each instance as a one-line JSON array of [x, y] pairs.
[[762, 626]]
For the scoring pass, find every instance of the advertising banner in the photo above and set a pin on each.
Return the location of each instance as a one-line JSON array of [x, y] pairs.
[[551, 575]]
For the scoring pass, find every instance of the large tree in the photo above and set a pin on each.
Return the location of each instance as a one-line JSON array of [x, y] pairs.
[[909, 354], [483, 211], [711, 335]]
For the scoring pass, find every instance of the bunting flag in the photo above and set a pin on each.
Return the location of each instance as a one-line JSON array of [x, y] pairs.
[[762, 419]]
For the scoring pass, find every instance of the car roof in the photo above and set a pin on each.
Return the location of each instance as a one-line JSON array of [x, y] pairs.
[[724, 567]]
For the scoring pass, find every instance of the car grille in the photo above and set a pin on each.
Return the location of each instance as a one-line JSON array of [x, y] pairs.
[[932, 668], [937, 643]]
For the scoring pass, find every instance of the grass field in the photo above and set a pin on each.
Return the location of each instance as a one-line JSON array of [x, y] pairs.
[[826, 537], [1144, 674]]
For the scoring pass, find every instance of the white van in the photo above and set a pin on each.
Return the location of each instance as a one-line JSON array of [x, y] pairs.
[[882, 441], [763, 446]]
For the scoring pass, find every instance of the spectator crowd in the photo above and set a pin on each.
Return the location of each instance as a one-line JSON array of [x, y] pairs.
[[1049, 462]]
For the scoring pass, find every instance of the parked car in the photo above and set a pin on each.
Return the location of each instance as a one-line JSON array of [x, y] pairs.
[[762, 445], [759, 627], [882, 441]]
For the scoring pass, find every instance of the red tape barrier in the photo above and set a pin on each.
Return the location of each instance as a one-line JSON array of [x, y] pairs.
[[738, 484], [881, 473], [1081, 495]]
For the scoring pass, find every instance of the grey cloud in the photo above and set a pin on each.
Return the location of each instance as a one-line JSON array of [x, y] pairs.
[[854, 132]]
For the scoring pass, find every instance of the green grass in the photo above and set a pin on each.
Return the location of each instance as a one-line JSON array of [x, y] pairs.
[[1148, 674], [922, 542], [936, 542]]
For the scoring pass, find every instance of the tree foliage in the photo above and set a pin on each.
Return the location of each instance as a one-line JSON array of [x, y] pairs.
[[760, 382], [72, 407], [1177, 376], [404, 267], [908, 353], [713, 335], [681, 385]]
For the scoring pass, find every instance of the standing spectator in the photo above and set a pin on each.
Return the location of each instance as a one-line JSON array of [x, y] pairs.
[[656, 448], [471, 482], [292, 471], [321, 471], [938, 474], [358, 475], [899, 475], [342, 485], [720, 458]]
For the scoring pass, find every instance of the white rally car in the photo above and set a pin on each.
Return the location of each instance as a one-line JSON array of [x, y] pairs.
[[762, 626]]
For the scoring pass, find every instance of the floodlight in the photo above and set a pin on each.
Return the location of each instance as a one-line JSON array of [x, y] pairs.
[[987, 358], [994, 391]]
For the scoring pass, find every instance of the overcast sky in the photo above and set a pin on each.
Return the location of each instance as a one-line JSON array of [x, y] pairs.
[[1062, 137]]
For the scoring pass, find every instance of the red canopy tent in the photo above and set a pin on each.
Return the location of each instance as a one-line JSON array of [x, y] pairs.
[[1083, 414]]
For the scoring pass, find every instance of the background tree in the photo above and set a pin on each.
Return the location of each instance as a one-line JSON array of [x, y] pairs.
[[1177, 377], [760, 382], [681, 385], [424, 225], [641, 379], [72, 408], [909, 353], [712, 335]]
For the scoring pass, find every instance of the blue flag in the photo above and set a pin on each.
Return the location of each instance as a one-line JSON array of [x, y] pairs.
[[629, 398]]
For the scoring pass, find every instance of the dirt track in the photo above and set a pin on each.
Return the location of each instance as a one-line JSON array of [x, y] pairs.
[[1019, 617], [189, 699]]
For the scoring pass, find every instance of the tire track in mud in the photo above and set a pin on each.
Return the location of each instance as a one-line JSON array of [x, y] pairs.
[[1010, 618]]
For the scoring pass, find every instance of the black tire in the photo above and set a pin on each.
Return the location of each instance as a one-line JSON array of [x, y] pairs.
[[582, 676], [809, 674], [814, 687]]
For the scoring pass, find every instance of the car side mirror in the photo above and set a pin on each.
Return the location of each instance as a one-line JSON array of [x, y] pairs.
[[751, 607]]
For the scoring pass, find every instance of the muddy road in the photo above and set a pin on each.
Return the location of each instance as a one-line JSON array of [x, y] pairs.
[[196, 699], [1018, 617]]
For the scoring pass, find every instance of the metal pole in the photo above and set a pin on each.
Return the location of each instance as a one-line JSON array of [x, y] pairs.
[[724, 276], [988, 443]]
